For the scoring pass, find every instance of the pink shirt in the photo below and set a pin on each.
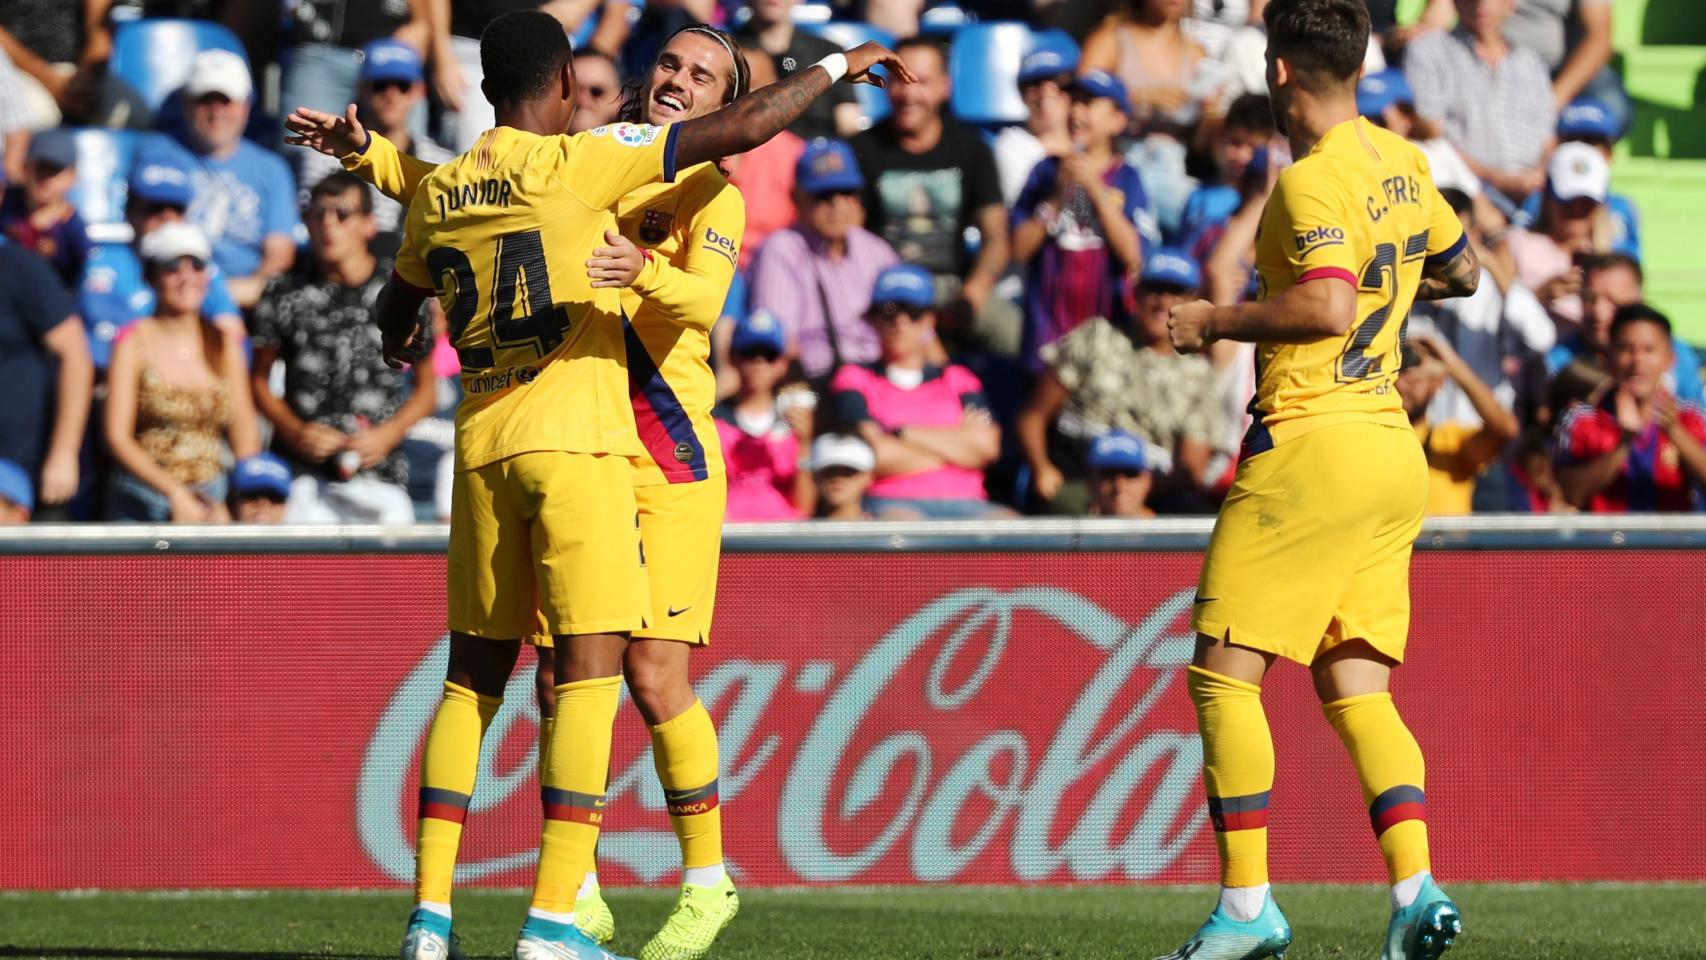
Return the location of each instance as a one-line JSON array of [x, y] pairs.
[[1538, 259], [865, 393], [765, 178], [761, 470]]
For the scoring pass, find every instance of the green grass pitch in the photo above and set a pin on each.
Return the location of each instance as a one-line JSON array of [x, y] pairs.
[[1554, 922]]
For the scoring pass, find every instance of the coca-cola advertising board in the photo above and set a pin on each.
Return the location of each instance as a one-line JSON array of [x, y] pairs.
[[255, 721]]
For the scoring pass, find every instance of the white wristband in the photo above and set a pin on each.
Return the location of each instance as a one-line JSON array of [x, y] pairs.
[[835, 65]]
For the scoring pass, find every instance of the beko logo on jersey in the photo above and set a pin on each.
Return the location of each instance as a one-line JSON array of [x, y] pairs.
[[495, 381], [721, 244], [1317, 237]]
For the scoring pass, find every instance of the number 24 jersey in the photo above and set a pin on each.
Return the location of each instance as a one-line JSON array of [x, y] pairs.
[[502, 234], [1360, 207]]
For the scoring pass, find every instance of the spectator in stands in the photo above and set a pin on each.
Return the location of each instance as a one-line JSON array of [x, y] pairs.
[[763, 438], [14, 132], [328, 38], [177, 393], [843, 469], [771, 29], [17, 494], [1573, 38], [816, 277], [1045, 76], [1240, 141], [931, 182], [1493, 100], [37, 213], [1611, 282], [1122, 472], [1386, 100], [46, 380], [59, 53], [260, 486], [598, 91], [1077, 223], [344, 410], [929, 426], [112, 293], [1593, 123], [1107, 376], [765, 176], [1494, 331], [1635, 447], [393, 85], [1573, 224], [244, 196], [1457, 451]]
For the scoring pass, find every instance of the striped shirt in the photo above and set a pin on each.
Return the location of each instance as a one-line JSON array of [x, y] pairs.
[[794, 277], [1500, 114]]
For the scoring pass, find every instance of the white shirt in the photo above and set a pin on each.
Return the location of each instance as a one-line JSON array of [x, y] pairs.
[[1017, 152]]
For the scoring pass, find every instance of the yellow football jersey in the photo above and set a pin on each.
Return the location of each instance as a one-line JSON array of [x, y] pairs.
[[693, 228], [501, 234], [1361, 207]]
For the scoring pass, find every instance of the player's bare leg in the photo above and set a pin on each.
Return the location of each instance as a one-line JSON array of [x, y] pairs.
[[684, 747], [1352, 682], [473, 690]]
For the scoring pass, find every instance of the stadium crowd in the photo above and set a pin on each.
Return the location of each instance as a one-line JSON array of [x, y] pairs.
[[952, 298]]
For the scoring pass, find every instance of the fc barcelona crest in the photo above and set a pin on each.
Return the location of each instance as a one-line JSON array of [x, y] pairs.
[[654, 226]]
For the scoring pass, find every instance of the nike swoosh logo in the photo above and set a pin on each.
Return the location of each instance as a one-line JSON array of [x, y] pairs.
[[676, 613], [1202, 599]]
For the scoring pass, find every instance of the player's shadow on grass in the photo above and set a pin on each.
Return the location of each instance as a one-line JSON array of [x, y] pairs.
[[114, 953]]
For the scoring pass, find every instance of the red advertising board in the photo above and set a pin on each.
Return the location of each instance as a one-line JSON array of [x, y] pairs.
[[255, 721]]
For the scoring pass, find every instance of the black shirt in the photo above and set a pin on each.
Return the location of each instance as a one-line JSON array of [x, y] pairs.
[[32, 302], [922, 204], [52, 29], [803, 51], [349, 23]]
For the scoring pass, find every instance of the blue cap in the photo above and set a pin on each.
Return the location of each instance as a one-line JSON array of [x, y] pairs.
[[1171, 266], [828, 166], [1118, 450], [1377, 91], [759, 330], [389, 59], [15, 485], [1047, 62], [1586, 118], [54, 147], [158, 177], [261, 473], [1098, 83], [906, 284]]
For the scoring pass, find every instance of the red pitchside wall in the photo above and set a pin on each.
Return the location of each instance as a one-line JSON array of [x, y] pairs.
[[246, 721]]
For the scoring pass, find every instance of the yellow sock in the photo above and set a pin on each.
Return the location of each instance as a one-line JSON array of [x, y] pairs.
[[1238, 772], [1389, 764], [448, 766], [685, 751], [573, 789]]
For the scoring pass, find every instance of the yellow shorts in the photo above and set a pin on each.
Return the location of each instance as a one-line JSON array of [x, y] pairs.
[[681, 528], [551, 535], [1312, 547]]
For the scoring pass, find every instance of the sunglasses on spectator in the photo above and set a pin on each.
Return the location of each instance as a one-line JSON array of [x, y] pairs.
[[381, 86], [178, 263], [343, 214], [1061, 80], [268, 496], [891, 311], [150, 209], [759, 353], [827, 196]]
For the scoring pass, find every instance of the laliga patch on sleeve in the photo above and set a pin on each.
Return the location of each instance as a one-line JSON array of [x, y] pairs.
[[630, 134]]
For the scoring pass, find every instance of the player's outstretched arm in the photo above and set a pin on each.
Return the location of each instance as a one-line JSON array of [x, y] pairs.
[[755, 118], [1458, 277]]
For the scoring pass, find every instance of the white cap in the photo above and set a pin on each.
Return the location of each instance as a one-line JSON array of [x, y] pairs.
[[169, 241], [839, 450], [219, 71], [1579, 170]]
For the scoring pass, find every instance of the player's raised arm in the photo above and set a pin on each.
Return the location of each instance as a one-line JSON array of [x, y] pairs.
[[753, 119]]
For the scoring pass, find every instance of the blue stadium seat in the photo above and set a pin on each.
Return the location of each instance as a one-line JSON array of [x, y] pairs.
[[847, 34], [103, 161], [983, 63], [153, 57]]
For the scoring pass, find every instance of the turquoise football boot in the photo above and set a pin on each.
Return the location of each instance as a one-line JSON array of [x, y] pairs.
[[1425, 929], [1223, 938]]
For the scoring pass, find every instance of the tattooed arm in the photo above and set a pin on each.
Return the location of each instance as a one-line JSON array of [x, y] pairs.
[[1458, 277], [755, 118]]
